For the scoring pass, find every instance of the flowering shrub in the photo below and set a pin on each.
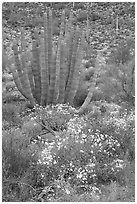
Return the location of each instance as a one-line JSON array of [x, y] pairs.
[[72, 155], [82, 153]]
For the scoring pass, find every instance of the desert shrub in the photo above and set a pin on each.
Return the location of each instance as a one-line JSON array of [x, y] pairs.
[[6, 77], [31, 128], [12, 96], [116, 193], [88, 74], [4, 59], [10, 86], [72, 155], [118, 122], [87, 64], [116, 78], [13, 114], [78, 5], [10, 114], [54, 117], [84, 154], [14, 146], [118, 82], [124, 52], [109, 193], [94, 16], [18, 156], [68, 194], [82, 16]]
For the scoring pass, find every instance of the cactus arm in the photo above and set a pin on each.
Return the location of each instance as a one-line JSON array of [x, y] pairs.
[[73, 61], [28, 87], [19, 87], [56, 91], [63, 72], [63, 64], [68, 41], [25, 67], [69, 35], [44, 64], [31, 78], [17, 82], [23, 41], [35, 70], [58, 59], [49, 31], [44, 74], [18, 64], [69, 44], [20, 76], [86, 102], [76, 75], [52, 78], [69, 25], [55, 68]]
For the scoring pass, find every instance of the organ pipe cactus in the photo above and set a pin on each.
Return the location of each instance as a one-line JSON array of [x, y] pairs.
[[52, 75]]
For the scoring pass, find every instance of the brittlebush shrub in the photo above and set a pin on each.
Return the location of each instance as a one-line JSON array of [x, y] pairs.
[[84, 152], [79, 152]]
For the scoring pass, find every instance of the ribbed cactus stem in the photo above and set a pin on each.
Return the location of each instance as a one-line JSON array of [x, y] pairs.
[[24, 66], [20, 77], [44, 64], [52, 78], [31, 78], [62, 26], [56, 91], [69, 24], [44, 74], [28, 87], [49, 30], [86, 102], [76, 74], [73, 61], [63, 72], [23, 41], [59, 57], [35, 70], [52, 74], [69, 45], [17, 82], [18, 63]]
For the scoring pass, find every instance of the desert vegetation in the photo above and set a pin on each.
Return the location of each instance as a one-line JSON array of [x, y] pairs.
[[68, 102]]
